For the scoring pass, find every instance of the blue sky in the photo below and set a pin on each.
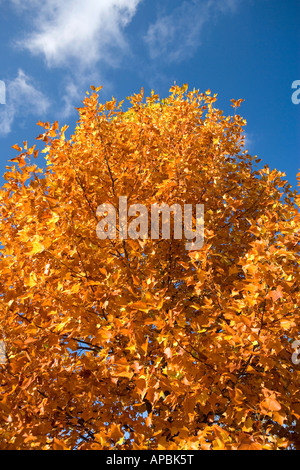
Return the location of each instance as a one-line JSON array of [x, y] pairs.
[[51, 52]]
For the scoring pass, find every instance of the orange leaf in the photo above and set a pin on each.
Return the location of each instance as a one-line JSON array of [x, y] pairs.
[[270, 404], [59, 445]]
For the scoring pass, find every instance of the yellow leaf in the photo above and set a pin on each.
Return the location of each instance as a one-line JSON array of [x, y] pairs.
[[59, 445], [37, 247], [145, 346], [140, 306], [61, 325]]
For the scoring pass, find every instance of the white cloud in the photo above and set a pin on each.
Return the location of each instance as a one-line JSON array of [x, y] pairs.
[[248, 141], [72, 94], [82, 37], [177, 35], [22, 99], [76, 31], [78, 37]]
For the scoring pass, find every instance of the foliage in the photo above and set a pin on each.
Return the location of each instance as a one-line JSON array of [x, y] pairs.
[[142, 344]]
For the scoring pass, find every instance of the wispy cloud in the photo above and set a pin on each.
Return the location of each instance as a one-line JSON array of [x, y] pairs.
[[81, 39], [249, 140], [71, 95], [23, 98], [76, 32], [77, 38], [177, 35], [74, 87]]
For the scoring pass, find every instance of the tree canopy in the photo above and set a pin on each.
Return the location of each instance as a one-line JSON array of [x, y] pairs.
[[141, 343]]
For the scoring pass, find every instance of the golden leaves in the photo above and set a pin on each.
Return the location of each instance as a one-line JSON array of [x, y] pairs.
[[137, 344], [59, 445], [275, 294], [236, 103], [37, 247], [270, 404]]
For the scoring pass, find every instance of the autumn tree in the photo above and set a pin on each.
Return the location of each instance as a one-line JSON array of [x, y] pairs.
[[141, 343]]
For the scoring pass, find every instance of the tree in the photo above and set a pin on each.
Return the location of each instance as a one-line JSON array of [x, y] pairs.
[[140, 343]]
